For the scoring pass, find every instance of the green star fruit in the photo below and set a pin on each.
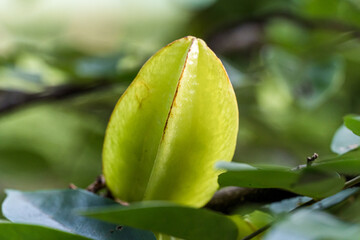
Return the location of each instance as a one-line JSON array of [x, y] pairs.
[[176, 119]]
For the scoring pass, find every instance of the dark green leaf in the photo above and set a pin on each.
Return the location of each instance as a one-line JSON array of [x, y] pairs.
[[172, 219], [12, 231], [348, 163], [317, 184], [307, 181], [55, 208], [255, 177]]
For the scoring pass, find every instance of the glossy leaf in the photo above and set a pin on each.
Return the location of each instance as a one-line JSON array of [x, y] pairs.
[[175, 120], [312, 225], [56, 209], [307, 181], [12, 231], [172, 219], [288, 205], [335, 199], [344, 140]]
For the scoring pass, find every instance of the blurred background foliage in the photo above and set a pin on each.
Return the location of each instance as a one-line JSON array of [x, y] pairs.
[[294, 64]]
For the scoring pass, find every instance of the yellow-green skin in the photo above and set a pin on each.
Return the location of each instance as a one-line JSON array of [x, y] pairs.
[[177, 118]]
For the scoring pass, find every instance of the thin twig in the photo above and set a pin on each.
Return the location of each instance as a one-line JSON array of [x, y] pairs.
[[257, 232], [310, 160], [352, 182], [97, 185]]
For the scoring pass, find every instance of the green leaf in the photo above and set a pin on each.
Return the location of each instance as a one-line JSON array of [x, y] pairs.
[[258, 219], [352, 122], [307, 181], [348, 163], [243, 175], [335, 199], [313, 225], [288, 205], [245, 228], [12, 231], [344, 140], [175, 120], [317, 183], [55, 208], [171, 219]]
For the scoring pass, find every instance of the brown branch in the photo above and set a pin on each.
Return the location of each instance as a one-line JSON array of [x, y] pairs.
[[227, 199], [99, 184], [11, 100], [248, 34]]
